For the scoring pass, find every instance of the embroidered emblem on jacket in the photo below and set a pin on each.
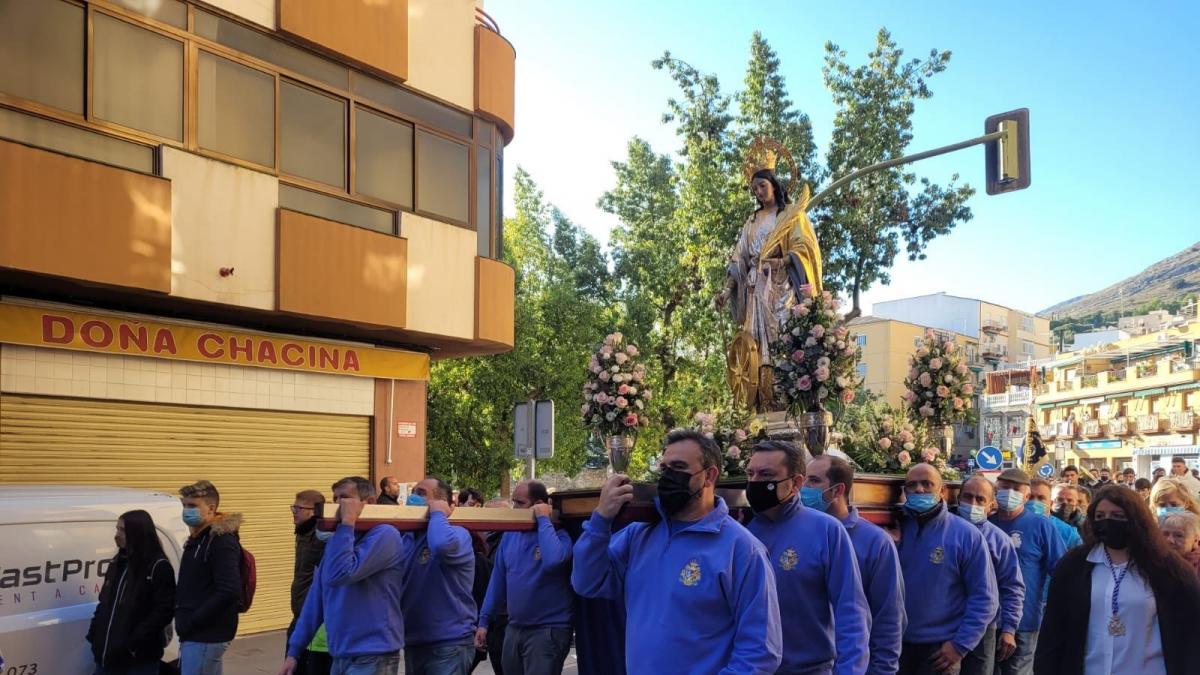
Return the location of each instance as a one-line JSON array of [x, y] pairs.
[[537, 552], [1016, 539], [690, 575], [423, 556], [788, 560], [937, 555]]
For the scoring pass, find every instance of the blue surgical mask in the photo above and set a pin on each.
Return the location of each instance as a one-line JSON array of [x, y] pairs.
[[1009, 500], [192, 517], [814, 498], [920, 502], [1164, 511], [1037, 507], [416, 500], [322, 535], [972, 512]]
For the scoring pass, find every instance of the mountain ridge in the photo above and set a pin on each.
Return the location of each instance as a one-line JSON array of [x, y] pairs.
[[1168, 279]]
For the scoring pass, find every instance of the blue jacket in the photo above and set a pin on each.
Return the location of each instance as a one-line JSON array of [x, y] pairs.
[[883, 584], [818, 583], [356, 593], [699, 600], [1039, 548], [948, 560], [532, 574], [1009, 582], [1067, 534], [441, 572]]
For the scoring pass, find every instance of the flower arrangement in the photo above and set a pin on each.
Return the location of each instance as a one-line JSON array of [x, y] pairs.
[[735, 440], [938, 388], [815, 355], [884, 439], [615, 394]]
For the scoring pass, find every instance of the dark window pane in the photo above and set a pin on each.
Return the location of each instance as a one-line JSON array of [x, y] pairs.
[[383, 160], [312, 138], [239, 37], [41, 52], [483, 200], [137, 77], [69, 140], [332, 208], [236, 110], [171, 12], [442, 177], [499, 210], [411, 105]]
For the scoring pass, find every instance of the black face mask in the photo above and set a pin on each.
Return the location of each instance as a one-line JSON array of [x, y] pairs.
[[762, 494], [675, 490], [1113, 533]]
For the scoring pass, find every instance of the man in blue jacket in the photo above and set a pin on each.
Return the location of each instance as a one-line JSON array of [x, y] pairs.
[[975, 501], [698, 588], [532, 577], [356, 591], [1039, 549], [1041, 502], [947, 558], [439, 636], [816, 574], [878, 563]]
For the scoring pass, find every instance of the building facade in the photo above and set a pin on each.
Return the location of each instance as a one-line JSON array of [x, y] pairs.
[[1134, 403], [1005, 335], [234, 234]]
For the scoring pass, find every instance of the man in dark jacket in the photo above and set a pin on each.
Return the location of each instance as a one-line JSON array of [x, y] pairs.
[[309, 547], [210, 581], [389, 491]]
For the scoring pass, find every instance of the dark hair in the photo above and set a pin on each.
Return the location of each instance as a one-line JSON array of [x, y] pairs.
[[445, 492], [793, 456], [1149, 551], [467, 493], [710, 452], [383, 483], [840, 472], [1142, 484], [313, 496], [1069, 467], [537, 492], [202, 490], [361, 485], [1128, 472], [1104, 469], [1178, 460], [142, 545], [781, 195]]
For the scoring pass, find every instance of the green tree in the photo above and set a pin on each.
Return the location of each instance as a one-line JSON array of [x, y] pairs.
[[563, 306]]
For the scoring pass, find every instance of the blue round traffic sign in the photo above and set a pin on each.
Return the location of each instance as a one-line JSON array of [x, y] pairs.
[[989, 458], [1046, 471]]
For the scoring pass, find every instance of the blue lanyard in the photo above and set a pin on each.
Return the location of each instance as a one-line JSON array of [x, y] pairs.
[[1116, 580]]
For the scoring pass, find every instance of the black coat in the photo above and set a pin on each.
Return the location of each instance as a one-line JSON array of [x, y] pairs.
[[210, 583], [387, 500], [136, 607], [1063, 638], [309, 550]]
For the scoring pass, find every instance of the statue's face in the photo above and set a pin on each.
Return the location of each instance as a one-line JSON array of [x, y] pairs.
[[763, 191]]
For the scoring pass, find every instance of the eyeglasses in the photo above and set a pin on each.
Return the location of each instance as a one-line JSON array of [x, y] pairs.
[[298, 509]]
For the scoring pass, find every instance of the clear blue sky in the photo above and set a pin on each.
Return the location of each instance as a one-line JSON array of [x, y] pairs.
[[1113, 91]]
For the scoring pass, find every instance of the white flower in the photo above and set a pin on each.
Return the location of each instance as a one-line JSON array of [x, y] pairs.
[[616, 369], [822, 393], [810, 342], [796, 331]]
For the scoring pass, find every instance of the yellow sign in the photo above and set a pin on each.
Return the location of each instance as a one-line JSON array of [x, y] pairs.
[[59, 329]]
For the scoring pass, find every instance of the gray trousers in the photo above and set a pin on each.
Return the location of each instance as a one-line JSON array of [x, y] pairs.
[[979, 661], [535, 650]]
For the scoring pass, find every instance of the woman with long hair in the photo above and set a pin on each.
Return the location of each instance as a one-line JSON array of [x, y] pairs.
[[1170, 496], [1124, 603], [137, 602]]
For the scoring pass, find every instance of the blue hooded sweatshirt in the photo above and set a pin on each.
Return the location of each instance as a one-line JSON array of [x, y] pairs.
[[532, 574], [818, 583], [441, 572], [883, 584], [356, 593], [1039, 548], [699, 597], [1067, 534], [946, 556], [1009, 582]]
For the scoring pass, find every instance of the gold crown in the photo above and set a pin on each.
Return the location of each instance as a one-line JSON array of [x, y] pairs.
[[765, 153]]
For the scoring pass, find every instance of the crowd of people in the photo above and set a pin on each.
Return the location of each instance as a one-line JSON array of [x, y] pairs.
[[1021, 576]]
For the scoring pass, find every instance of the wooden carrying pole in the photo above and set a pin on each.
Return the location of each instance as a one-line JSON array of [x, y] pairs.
[[413, 518]]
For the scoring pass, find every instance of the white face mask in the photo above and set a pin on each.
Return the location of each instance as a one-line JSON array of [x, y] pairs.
[[972, 512], [1009, 500]]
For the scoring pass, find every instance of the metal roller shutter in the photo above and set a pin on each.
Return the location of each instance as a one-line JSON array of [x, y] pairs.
[[258, 459]]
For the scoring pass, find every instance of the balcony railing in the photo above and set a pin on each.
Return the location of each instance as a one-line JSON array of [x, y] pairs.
[[1148, 370], [1119, 426], [1149, 424], [1049, 431], [1092, 429], [1092, 380], [990, 351], [1012, 398], [1183, 421], [994, 326], [1118, 375]]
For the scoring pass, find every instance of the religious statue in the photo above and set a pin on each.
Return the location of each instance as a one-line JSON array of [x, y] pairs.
[[776, 255]]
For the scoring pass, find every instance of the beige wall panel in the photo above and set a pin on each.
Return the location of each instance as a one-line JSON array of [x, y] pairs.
[[441, 277], [261, 12], [372, 32], [223, 216], [441, 49], [82, 220]]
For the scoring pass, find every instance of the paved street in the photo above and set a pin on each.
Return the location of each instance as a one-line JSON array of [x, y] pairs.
[[262, 654]]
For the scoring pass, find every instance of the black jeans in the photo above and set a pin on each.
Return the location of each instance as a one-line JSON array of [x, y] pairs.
[[914, 660], [535, 650]]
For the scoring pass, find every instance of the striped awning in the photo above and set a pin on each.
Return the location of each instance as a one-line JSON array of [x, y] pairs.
[[1184, 387], [1150, 392], [1160, 450]]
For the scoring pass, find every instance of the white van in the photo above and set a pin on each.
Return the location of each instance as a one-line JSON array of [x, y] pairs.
[[55, 544]]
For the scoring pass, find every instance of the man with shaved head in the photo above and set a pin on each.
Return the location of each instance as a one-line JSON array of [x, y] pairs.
[[976, 500], [947, 555]]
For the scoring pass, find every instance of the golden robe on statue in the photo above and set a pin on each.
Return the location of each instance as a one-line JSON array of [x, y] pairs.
[[776, 254]]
